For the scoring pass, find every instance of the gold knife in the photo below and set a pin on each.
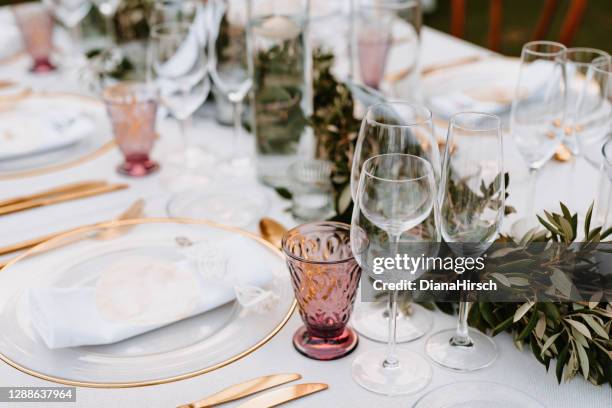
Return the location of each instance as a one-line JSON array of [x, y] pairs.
[[26, 205], [243, 389], [66, 188], [280, 396]]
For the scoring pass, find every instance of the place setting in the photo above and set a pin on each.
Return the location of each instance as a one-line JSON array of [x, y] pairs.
[[253, 203]]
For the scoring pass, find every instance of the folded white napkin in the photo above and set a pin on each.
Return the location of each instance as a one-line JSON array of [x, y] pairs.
[[137, 294], [493, 97], [25, 131]]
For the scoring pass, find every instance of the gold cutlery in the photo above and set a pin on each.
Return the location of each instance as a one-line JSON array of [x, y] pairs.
[[452, 64], [272, 231], [282, 395], [67, 188], [134, 211], [55, 199], [243, 389]]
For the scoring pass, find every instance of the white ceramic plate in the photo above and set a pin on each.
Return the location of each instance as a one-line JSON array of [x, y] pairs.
[[476, 394], [42, 153], [186, 348]]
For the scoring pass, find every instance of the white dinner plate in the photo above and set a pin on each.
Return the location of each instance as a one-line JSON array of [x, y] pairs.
[[476, 394], [91, 136], [486, 85], [189, 347]]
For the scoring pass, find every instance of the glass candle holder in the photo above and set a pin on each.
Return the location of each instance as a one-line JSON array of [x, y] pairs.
[[36, 25], [281, 98], [311, 189], [325, 277], [132, 108]]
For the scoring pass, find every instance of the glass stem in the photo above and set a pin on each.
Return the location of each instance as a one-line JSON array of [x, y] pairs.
[[533, 177], [110, 29], [237, 120], [462, 336], [75, 39], [183, 131], [391, 360]]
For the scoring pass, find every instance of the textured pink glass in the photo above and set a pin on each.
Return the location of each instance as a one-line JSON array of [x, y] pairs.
[[325, 277], [36, 26], [373, 47], [132, 108]]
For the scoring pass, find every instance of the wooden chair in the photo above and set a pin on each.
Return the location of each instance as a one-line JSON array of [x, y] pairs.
[[571, 21]]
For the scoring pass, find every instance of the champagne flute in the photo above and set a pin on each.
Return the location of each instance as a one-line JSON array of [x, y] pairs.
[[180, 68], [70, 13], [469, 223], [538, 111], [593, 118], [394, 127], [395, 197], [229, 69]]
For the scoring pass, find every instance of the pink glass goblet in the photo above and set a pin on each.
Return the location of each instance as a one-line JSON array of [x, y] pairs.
[[325, 277], [373, 47], [132, 107], [36, 25]]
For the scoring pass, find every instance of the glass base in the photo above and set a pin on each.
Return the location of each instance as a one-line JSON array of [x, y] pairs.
[[319, 348], [411, 375], [480, 353], [42, 65], [138, 168], [371, 320], [192, 158]]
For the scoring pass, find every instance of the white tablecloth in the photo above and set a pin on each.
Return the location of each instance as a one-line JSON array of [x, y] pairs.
[[574, 184]]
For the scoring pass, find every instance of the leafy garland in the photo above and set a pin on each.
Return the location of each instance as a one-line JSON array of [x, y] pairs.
[[576, 335]]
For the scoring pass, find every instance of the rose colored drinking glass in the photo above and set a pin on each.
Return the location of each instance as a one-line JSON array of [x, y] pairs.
[[36, 26], [325, 276], [132, 107]]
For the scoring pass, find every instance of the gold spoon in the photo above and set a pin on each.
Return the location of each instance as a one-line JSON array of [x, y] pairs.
[[272, 231]]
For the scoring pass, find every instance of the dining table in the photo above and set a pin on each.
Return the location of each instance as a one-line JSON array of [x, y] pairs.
[[574, 183]]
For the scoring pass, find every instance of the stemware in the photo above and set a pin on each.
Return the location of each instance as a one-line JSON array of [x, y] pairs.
[[593, 119], [395, 198], [470, 220], [387, 44], [36, 26], [577, 63], [325, 277], [132, 108], [229, 66], [180, 68], [70, 13], [537, 117], [604, 198], [394, 127]]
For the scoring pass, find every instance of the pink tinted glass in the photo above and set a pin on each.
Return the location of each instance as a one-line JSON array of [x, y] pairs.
[[36, 26], [325, 277]]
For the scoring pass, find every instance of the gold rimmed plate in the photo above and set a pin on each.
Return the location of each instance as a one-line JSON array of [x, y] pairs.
[[88, 133], [194, 345]]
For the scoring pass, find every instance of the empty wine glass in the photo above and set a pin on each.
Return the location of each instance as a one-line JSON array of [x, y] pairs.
[[538, 110], [394, 127], [180, 68], [470, 219], [70, 13], [593, 119], [229, 69], [395, 198], [577, 63]]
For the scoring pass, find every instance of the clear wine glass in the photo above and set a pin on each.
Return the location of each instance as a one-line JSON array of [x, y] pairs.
[[394, 127], [538, 111], [70, 13], [173, 11], [179, 66], [229, 69], [593, 118], [395, 198], [577, 63], [470, 221]]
